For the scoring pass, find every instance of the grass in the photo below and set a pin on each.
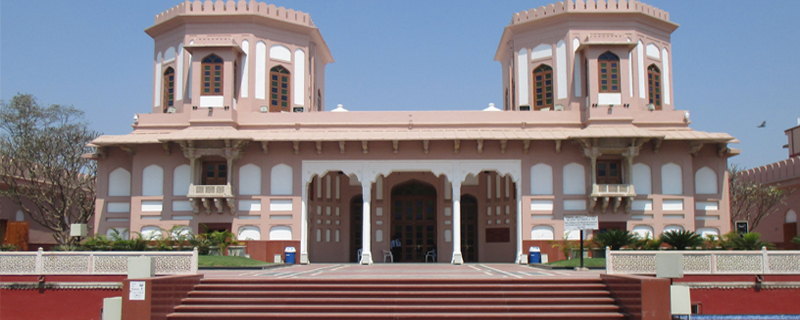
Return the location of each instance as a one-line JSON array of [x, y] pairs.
[[588, 262], [226, 261]]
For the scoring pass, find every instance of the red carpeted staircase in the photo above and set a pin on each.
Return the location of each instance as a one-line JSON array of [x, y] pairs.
[[486, 299]]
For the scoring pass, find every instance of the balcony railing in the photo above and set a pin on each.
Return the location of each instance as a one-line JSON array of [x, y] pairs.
[[613, 190], [210, 191], [615, 194], [221, 195]]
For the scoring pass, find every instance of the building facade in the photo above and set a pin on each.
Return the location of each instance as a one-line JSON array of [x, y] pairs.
[[781, 225], [238, 138]]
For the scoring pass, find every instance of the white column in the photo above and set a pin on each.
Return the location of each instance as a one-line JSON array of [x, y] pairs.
[[366, 232], [304, 224], [521, 257], [457, 257]]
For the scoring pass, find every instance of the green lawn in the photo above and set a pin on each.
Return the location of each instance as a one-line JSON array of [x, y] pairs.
[[225, 261], [589, 262]]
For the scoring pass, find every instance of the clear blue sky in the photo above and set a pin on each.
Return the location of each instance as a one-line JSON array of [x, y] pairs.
[[735, 62]]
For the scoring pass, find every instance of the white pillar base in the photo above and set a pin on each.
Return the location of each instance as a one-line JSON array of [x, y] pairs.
[[457, 259], [366, 258], [304, 258]]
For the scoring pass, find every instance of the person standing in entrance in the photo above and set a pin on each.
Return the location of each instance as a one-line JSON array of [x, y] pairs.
[[396, 248]]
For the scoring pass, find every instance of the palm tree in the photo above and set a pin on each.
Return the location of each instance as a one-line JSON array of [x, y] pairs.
[[615, 239], [680, 239], [749, 241]]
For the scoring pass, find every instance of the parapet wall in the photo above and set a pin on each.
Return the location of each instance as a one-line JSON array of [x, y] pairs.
[[231, 7], [783, 170], [589, 6]]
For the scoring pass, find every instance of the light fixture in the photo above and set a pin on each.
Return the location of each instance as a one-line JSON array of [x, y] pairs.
[[651, 107]]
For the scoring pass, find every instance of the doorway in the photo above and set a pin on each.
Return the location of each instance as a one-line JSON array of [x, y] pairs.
[[414, 220], [609, 172], [469, 228], [215, 173], [356, 226]]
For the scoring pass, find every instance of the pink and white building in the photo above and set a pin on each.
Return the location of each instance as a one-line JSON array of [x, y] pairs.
[[239, 137], [781, 225]]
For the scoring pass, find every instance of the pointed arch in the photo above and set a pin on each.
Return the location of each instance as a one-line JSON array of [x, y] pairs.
[[574, 179], [169, 88], [541, 179], [153, 181], [119, 183], [654, 86], [279, 92], [608, 72], [543, 87], [642, 182], [213, 73], [671, 179], [281, 180], [705, 181]]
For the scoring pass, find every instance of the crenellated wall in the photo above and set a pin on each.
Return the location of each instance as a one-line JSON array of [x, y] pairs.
[[231, 7], [589, 6], [783, 172]]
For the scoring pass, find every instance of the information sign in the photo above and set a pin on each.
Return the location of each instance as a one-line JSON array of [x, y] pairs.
[[580, 223], [137, 290]]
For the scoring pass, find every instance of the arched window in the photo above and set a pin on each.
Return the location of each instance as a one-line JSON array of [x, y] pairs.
[[543, 87], [279, 89], [654, 85], [608, 72], [169, 88], [212, 76]]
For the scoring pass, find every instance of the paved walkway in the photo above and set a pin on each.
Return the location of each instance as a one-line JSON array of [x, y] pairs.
[[402, 271]]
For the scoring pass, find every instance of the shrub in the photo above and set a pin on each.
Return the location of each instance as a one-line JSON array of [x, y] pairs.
[[616, 239], [681, 239], [748, 241], [646, 243]]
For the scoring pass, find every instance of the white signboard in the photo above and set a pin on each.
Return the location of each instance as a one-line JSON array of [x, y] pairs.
[[137, 290], [580, 223]]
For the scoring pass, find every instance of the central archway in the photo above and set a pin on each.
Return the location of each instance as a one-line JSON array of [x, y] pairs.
[[414, 220]]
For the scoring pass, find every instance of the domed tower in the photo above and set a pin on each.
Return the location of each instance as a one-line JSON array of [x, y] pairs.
[[608, 60], [236, 57]]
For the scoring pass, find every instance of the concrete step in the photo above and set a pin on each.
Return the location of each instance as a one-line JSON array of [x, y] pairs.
[[399, 294], [427, 309], [400, 301], [400, 316], [399, 287]]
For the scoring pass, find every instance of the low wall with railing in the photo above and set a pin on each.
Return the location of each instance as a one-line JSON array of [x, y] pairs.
[[707, 262], [94, 262]]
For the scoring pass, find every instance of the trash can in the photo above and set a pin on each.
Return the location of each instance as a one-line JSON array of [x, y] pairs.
[[289, 253], [535, 255]]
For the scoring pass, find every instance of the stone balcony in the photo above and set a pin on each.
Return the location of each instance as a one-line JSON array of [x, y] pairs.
[[220, 195], [612, 193]]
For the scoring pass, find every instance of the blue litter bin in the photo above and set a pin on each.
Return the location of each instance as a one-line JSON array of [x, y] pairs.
[[289, 253], [535, 255]]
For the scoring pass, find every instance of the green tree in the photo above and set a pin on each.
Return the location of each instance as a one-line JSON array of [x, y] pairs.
[[41, 163], [751, 201], [681, 239]]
